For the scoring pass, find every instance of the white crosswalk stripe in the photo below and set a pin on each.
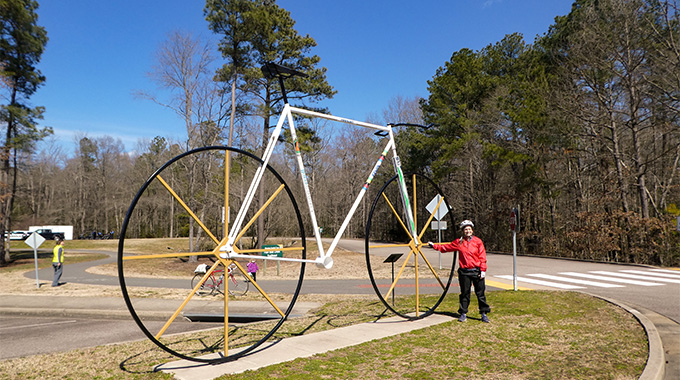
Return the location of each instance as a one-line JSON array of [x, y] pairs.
[[600, 279], [576, 281], [636, 277], [540, 282], [612, 279], [655, 272], [673, 272]]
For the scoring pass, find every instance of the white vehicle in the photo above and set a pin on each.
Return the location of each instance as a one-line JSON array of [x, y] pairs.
[[18, 235]]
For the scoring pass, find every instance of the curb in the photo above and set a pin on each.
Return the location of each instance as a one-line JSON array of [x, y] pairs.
[[655, 368]]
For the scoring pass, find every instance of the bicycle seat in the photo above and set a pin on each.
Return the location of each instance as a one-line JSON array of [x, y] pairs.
[[273, 70]]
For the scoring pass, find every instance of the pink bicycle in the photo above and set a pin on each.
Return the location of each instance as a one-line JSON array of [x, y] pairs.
[[214, 283]]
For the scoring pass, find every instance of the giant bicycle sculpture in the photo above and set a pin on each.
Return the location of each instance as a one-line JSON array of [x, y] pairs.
[[237, 181]]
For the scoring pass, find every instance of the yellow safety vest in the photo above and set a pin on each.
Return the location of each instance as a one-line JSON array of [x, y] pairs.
[[58, 252]]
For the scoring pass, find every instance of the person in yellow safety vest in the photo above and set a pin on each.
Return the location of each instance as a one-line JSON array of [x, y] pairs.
[[58, 261]]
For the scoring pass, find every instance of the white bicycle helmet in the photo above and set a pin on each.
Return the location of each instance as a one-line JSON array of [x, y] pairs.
[[465, 223]]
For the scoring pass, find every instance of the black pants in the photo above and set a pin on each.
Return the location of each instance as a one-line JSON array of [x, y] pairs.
[[466, 279]]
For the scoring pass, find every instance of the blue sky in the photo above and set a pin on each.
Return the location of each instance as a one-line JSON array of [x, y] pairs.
[[99, 52]]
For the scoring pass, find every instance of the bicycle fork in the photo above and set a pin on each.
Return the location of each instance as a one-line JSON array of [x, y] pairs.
[[406, 204]]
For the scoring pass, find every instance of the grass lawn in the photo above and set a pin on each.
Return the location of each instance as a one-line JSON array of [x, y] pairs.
[[532, 335]]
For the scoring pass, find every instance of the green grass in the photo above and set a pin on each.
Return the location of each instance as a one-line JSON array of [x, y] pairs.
[[532, 335], [24, 259]]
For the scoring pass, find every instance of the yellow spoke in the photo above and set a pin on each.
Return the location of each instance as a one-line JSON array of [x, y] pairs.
[[226, 318], [191, 213], [394, 211], [260, 211], [401, 270], [431, 268], [415, 206], [227, 163], [429, 220], [186, 300], [415, 262], [165, 255], [264, 294], [390, 245]]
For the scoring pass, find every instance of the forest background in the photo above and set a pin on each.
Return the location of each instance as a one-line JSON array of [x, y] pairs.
[[579, 130]]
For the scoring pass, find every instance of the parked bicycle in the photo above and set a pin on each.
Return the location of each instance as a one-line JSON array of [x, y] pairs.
[[241, 194], [237, 284]]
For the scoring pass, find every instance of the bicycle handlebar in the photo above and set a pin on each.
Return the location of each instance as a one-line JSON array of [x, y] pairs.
[[383, 133], [411, 125]]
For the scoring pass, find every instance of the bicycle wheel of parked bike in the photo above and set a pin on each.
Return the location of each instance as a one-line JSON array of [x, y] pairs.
[[207, 287], [237, 284], [187, 209], [410, 279]]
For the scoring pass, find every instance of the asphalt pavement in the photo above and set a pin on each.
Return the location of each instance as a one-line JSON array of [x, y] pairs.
[[655, 325]]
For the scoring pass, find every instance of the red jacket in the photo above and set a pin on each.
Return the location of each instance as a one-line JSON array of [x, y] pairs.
[[472, 252]]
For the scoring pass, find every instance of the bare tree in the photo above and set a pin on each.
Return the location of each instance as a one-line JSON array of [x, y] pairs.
[[183, 68]]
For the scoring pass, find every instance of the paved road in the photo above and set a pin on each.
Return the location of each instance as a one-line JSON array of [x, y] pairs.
[[634, 285], [43, 335]]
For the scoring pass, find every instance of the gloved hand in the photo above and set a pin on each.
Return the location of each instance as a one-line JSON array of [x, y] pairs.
[[430, 244], [482, 274]]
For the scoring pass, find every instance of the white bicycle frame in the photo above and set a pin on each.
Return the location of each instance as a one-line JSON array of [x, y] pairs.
[[324, 259]]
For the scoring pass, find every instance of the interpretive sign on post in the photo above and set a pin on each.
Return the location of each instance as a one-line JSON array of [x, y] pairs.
[[34, 241], [272, 253], [392, 259]]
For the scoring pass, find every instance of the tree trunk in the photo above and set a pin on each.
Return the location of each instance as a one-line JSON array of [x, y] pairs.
[[616, 152]]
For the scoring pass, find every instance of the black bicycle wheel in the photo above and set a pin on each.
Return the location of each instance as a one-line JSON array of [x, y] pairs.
[[408, 277], [207, 287], [185, 197]]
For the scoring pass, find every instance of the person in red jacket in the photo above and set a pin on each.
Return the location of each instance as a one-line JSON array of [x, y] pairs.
[[472, 269]]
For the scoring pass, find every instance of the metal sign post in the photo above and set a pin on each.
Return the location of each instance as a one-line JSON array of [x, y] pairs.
[[514, 217], [392, 259], [34, 241]]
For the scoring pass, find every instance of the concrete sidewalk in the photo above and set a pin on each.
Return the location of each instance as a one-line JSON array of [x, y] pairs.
[[301, 346]]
